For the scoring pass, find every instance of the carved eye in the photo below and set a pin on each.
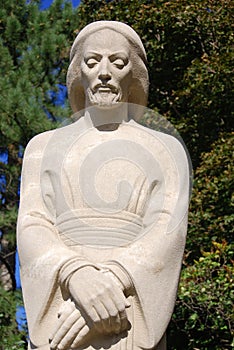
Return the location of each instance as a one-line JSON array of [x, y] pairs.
[[119, 63], [91, 62]]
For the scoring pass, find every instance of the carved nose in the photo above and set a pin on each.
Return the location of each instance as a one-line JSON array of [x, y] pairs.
[[104, 73]]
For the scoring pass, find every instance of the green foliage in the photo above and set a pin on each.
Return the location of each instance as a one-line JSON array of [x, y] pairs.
[[207, 89], [190, 55], [11, 338], [204, 315], [211, 215]]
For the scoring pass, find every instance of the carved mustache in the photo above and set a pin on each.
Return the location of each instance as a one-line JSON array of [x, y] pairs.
[[105, 86]]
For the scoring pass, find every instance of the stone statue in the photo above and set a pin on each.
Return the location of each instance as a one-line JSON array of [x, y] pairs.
[[103, 209]]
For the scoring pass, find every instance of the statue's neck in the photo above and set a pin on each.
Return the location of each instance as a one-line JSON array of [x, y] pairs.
[[107, 119]]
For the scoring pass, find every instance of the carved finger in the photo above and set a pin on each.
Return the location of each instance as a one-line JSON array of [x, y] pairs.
[[71, 334], [124, 323], [114, 321], [119, 320], [91, 312], [78, 340], [66, 310], [119, 299], [64, 327], [110, 306], [105, 324]]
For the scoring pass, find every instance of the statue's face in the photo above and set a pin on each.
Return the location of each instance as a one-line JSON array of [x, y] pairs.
[[106, 68]]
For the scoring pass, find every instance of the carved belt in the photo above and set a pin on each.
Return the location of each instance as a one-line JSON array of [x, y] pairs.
[[98, 227]]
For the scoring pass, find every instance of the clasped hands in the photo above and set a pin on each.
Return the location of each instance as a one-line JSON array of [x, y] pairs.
[[97, 302]]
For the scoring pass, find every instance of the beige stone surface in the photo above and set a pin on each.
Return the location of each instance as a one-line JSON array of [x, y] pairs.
[[103, 209]]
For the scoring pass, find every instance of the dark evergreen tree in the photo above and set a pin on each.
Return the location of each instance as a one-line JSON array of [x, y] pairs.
[[34, 48]]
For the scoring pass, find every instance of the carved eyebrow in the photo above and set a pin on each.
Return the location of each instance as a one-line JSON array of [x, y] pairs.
[[112, 57], [92, 54], [119, 54]]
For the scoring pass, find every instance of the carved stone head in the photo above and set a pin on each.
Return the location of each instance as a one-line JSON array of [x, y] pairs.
[[108, 66]]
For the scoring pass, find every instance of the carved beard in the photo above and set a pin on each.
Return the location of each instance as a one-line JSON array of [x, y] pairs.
[[103, 99]]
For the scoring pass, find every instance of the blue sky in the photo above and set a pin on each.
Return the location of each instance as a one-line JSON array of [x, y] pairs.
[[46, 3]]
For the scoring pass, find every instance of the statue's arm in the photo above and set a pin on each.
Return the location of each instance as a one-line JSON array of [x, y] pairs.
[[149, 267], [165, 215], [44, 257], [37, 237], [45, 261]]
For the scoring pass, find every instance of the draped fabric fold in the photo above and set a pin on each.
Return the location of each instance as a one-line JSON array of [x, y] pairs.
[[132, 221]]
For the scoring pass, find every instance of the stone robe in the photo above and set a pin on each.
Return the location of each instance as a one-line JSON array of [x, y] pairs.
[[117, 200]]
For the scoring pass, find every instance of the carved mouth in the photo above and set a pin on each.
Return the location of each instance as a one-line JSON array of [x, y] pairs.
[[105, 89], [104, 96]]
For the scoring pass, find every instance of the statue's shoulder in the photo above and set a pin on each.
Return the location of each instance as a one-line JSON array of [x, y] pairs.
[[38, 143], [170, 141], [173, 145], [49, 143]]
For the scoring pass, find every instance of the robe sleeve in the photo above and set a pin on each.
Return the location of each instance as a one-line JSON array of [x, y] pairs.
[[45, 261], [153, 262]]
